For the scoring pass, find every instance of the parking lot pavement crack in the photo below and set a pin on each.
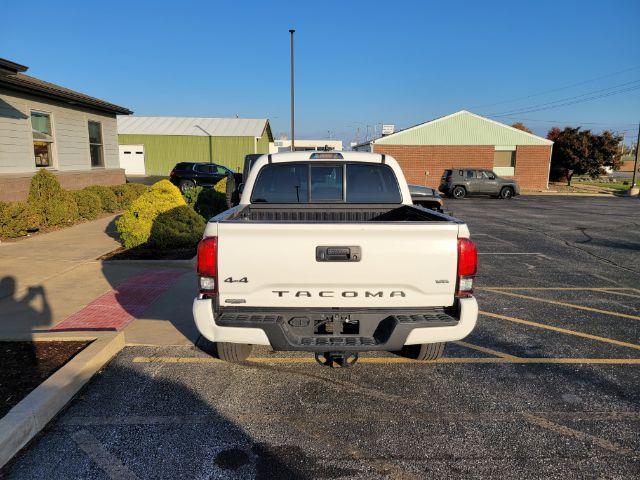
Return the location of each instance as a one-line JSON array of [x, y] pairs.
[[108, 463], [570, 432]]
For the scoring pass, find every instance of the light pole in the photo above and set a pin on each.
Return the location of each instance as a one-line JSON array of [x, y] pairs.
[[635, 163], [293, 135]]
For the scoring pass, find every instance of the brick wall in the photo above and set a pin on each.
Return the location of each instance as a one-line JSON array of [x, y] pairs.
[[532, 166], [16, 186], [532, 162], [416, 159]]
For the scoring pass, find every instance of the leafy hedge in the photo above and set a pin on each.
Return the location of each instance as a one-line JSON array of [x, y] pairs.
[[46, 196], [127, 193], [49, 205], [136, 222], [176, 228], [107, 197], [89, 203], [17, 218], [206, 201]]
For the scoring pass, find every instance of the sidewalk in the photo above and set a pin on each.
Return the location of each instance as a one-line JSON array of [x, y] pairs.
[[50, 277]]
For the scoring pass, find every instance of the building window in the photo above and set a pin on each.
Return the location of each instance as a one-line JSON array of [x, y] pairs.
[[504, 162], [42, 139], [95, 144]]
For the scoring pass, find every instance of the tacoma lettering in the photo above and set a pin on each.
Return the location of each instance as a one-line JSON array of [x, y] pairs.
[[345, 294]]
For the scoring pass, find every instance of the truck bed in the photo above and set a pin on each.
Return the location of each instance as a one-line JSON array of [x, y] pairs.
[[319, 213]]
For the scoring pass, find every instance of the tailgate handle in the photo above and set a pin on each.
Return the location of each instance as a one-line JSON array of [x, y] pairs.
[[338, 254]]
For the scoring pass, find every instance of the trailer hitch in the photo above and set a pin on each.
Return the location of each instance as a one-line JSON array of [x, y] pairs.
[[337, 359]]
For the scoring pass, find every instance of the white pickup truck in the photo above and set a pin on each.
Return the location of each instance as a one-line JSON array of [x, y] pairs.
[[326, 253]]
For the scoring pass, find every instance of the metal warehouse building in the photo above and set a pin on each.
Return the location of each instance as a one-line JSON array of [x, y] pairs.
[[464, 139], [153, 145]]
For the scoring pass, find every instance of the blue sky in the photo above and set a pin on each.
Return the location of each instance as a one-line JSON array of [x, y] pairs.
[[357, 63]]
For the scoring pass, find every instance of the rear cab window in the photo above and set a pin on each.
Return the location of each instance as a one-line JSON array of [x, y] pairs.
[[324, 182]]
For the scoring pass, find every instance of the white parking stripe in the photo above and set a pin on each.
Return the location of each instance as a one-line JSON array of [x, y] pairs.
[[108, 462]]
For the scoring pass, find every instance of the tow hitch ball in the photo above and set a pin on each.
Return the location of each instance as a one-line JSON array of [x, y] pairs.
[[337, 359]]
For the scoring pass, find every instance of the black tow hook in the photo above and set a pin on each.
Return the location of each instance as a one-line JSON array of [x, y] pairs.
[[337, 359]]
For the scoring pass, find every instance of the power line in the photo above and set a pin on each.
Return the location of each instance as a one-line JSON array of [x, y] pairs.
[[544, 92], [567, 101], [539, 120]]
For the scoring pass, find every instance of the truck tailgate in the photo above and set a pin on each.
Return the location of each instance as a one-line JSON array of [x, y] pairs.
[[274, 265]]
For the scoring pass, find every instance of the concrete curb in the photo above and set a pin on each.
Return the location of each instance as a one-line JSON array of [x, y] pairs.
[[34, 411]]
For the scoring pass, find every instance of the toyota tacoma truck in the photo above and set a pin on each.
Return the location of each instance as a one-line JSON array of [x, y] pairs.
[[326, 253]]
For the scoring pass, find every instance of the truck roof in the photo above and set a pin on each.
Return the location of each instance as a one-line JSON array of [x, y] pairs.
[[325, 155]]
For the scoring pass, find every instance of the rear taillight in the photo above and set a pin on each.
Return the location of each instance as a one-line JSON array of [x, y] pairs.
[[208, 265], [467, 267]]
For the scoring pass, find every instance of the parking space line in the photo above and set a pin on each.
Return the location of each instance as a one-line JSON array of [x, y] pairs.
[[494, 238], [565, 304], [570, 432], [486, 350], [561, 330], [109, 463], [401, 360]]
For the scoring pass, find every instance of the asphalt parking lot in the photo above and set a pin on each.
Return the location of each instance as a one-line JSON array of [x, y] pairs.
[[547, 386]]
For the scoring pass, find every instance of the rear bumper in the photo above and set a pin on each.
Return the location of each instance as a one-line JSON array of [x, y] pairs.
[[378, 329]]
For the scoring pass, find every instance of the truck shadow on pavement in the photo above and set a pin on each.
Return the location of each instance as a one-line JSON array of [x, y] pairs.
[[136, 421]]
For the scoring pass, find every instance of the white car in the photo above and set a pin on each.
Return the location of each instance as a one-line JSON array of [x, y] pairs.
[[326, 253]]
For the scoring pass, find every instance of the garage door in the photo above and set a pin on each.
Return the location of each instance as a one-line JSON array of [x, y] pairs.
[[132, 159]]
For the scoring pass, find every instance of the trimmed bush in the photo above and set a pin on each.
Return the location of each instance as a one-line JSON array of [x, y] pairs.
[[179, 227], [127, 193], [207, 202], [89, 204], [136, 222], [107, 197], [56, 206], [17, 218], [221, 186]]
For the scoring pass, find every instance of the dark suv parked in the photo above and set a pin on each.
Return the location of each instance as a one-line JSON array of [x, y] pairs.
[[460, 182], [187, 175]]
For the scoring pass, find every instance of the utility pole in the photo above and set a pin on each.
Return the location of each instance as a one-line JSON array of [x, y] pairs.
[[634, 190], [293, 136]]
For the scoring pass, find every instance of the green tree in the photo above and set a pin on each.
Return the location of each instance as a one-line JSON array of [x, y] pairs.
[[577, 151]]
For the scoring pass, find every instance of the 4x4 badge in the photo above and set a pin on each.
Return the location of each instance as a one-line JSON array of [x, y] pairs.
[[231, 280]]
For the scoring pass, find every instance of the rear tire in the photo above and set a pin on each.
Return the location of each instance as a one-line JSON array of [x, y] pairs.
[[186, 185], [506, 193], [425, 351], [459, 193], [232, 352]]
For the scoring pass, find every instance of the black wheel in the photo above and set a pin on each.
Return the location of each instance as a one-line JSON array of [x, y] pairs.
[[232, 352], [506, 193], [186, 185], [459, 192], [426, 351]]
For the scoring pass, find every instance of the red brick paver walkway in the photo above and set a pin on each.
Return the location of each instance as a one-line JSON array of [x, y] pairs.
[[119, 307]]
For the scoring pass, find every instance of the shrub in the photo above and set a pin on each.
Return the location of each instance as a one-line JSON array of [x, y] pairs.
[[221, 186], [107, 197], [135, 223], [127, 193], [177, 228], [17, 218], [206, 201], [56, 206], [89, 204]]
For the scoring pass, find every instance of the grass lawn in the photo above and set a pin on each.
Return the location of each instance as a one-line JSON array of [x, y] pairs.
[[613, 185]]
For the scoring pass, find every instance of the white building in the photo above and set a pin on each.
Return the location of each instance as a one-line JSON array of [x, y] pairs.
[[301, 145]]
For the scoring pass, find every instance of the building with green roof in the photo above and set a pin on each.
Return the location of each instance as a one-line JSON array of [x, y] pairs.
[[466, 140]]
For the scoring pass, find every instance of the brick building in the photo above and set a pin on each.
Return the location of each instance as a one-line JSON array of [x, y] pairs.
[[464, 139]]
